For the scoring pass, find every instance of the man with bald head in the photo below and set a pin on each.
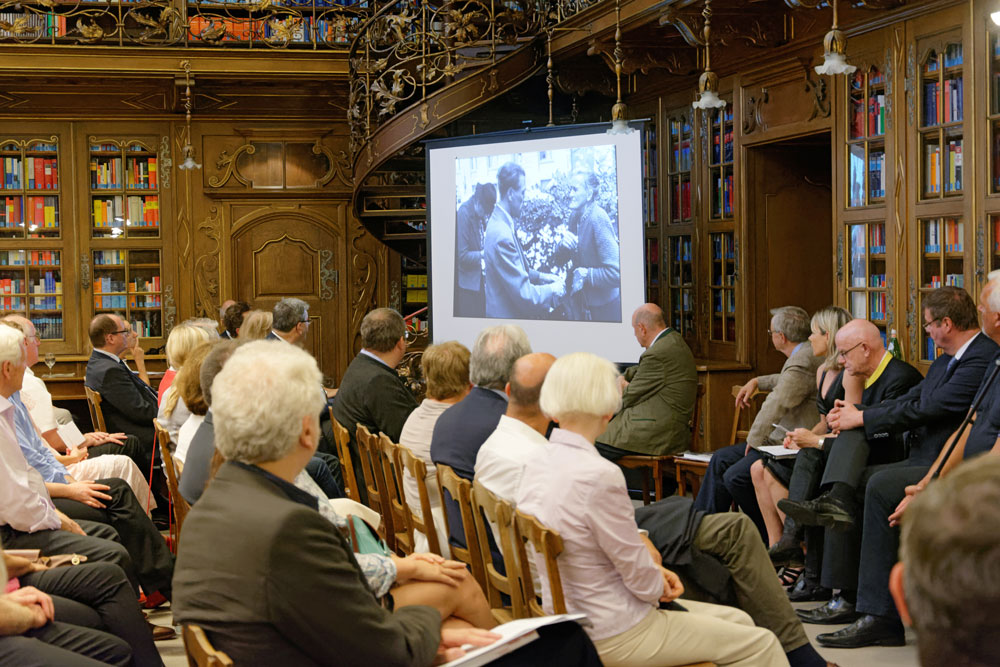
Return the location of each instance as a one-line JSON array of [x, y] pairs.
[[658, 396]]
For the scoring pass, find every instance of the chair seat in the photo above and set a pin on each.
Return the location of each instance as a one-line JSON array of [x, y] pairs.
[[502, 616], [657, 464]]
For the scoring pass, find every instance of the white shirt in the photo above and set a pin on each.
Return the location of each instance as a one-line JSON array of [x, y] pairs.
[[177, 418], [186, 434], [416, 436], [110, 354], [606, 570], [960, 351], [25, 504], [38, 400]]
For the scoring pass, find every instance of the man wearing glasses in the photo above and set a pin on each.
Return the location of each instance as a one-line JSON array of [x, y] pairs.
[[128, 402], [930, 412]]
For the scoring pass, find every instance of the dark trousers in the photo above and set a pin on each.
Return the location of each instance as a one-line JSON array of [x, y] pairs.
[[359, 474], [880, 541], [100, 544], [153, 562], [804, 485], [325, 471], [727, 481], [559, 644], [64, 645], [97, 595], [132, 448]]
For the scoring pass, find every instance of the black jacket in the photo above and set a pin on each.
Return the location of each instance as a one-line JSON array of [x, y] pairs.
[[128, 403]]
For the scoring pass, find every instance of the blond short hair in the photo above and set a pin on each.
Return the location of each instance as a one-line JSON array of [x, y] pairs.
[[581, 383], [182, 339], [446, 369], [256, 325]]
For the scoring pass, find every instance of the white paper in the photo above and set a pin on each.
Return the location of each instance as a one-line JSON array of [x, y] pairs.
[[697, 456], [70, 434], [513, 635], [778, 451]]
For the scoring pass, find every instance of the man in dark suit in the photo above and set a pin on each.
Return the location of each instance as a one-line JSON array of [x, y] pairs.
[[470, 230], [260, 569], [232, 319], [372, 393], [659, 393], [127, 401], [864, 356], [929, 412], [880, 623], [513, 289]]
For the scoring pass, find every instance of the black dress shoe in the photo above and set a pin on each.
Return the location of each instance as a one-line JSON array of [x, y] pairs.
[[787, 552], [807, 590], [826, 511], [866, 631], [836, 611]]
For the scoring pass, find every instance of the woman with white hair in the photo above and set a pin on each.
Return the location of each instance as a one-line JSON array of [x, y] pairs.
[[608, 570]]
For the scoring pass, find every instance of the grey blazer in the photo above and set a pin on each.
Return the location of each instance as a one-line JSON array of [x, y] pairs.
[[792, 401]]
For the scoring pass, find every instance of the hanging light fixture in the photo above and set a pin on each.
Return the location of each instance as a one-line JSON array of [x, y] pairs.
[[834, 50], [708, 82], [619, 112], [188, 149]]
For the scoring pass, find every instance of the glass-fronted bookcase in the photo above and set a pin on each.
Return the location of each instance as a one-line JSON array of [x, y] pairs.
[[679, 251]]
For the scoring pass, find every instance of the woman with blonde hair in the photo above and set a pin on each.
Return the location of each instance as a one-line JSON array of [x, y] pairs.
[[182, 340], [608, 571], [256, 325], [188, 384]]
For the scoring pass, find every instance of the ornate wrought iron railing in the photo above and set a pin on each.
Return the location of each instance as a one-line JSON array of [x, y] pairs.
[[241, 24]]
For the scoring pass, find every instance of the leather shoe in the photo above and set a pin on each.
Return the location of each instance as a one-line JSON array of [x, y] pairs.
[[807, 590], [826, 511], [787, 552], [866, 631], [161, 632], [836, 611]]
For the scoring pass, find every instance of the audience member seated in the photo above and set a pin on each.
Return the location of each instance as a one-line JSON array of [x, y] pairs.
[[289, 321], [945, 585], [929, 413], [446, 370], [658, 395], [109, 501], [187, 390], [791, 403], [256, 325], [92, 595], [222, 316], [127, 401], [771, 476], [232, 319], [371, 392], [684, 538], [182, 339], [608, 571], [30, 635], [259, 566]]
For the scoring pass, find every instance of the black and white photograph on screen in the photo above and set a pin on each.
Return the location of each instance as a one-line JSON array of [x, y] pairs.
[[537, 237]]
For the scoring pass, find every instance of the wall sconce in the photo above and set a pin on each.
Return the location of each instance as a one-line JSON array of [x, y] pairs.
[[996, 17], [619, 112], [708, 82], [834, 50], [188, 149]]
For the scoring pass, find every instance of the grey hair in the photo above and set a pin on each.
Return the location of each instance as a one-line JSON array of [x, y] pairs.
[[581, 383], [213, 363], [11, 348], [791, 321], [287, 313], [993, 301], [494, 353], [381, 329], [260, 398]]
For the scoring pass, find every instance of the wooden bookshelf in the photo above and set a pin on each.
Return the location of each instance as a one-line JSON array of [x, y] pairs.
[[866, 129]]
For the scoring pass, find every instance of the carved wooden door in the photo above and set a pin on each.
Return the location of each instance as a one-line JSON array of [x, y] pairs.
[[294, 254]]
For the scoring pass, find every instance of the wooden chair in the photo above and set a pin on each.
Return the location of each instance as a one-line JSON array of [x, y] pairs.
[[394, 499], [548, 543], [96, 414], [460, 490], [179, 506], [342, 438], [425, 522], [689, 473], [660, 465], [486, 506], [737, 435], [200, 652], [374, 474]]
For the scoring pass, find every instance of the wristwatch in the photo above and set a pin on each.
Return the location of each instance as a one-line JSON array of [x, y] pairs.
[[820, 445]]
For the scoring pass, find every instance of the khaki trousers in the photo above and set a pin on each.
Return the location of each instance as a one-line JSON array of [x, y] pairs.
[[706, 632]]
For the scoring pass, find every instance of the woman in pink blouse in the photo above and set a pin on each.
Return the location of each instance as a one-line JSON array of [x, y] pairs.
[[609, 572]]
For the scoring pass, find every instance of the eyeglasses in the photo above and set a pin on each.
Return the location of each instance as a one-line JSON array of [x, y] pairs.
[[844, 353], [771, 333], [123, 331], [928, 325]]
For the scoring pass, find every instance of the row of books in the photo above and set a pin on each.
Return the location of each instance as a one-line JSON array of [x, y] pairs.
[[876, 175], [11, 214], [416, 280], [876, 234], [722, 196], [727, 296], [683, 154], [147, 328], [723, 246], [109, 258], [143, 211], [105, 173], [876, 305], [682, 300], [947, 110], [12, 286], [108, 284], [649, 155], [680, 204], [35, 257], [650, 204], [952, 58], [40, 212], [726, 142], [951, 280], [49, 282], [930, 349], [680, 275], [42, 173], [869, 124], [416, 296], [46, 303], [875, 78], [16, 303], [948, 166], [48, 328], [118, 301], [681, 249], [952, 233], [145, 301]]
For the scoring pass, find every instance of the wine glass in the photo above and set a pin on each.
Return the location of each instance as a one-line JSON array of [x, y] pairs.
[[50, 361]]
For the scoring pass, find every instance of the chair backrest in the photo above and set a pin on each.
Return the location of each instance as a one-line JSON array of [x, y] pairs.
[[96, 414], [460, 490], [696, 416], [545, 541], [486, 506], [395, 499], [738, 435], [342, 438], [200, 652], [424, 523], [181, 506], [371, 467]]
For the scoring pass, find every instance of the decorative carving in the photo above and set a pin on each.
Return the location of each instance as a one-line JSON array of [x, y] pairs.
[[980, 252], [228, 163], [340, 165], [85, 271], [683, 23], [169, 309], [674, 61], [840, 258], [206, 267], [166, 163], [703, 131], [888, 69], [821, 104], [911, 320], [736, 259], [890, 302], [752, 114], [579, 81], [394, 296], [910, 85], [184, 239], [328, 277], [365, 272]]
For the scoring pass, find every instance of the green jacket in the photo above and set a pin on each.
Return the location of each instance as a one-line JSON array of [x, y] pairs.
[[658, 402]]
